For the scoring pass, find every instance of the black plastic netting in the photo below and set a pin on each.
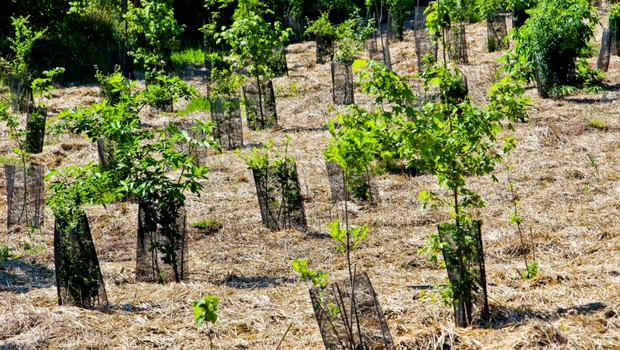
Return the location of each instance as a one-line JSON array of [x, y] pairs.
[[106, 153], [496, 32], [409, 20], [226, 113], [458, 263], [260, 105], [518, 18], [78, 277], [360, 186], [351, 318], [419, 18], [279, 196], [25, 195], [21, 94], [605, 53], [296, 27], [342, 83], [457, 43], [278, 63], [208, 68], [379, 49], [35, 129], [160, 104], [324, 49], [198, 152], [424, 47], [614, 28], [161, 254], [554, 67]]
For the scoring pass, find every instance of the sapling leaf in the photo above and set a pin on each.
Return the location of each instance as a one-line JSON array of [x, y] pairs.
[[205, 309]]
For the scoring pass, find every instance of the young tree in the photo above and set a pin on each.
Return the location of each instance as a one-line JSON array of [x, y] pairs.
[[156, 32], [253, 43], [149, 168], [19, 73]]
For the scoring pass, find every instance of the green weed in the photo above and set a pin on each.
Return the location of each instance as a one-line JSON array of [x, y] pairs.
[[9, 159], [5, 253], [209, 225], [597, 123], [196, 104], [182, 59]]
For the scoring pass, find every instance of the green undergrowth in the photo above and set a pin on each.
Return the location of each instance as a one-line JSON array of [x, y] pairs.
[[183, 59]]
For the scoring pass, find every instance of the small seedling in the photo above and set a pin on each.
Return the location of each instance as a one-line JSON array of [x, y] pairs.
[[205, 309], [532, 270], [596, 172], [317, 277]]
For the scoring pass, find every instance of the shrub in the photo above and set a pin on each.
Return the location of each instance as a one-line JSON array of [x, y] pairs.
[[552, 45]]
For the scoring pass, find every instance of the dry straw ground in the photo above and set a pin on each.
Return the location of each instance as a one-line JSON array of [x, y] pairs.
[[569, 203]]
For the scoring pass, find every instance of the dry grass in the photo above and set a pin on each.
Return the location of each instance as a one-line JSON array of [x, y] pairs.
[[570, 205]]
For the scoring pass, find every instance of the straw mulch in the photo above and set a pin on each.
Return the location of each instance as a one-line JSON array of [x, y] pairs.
[[565, 172]]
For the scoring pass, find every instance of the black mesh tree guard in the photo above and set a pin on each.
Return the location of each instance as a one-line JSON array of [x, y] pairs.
[[342, 83], [360, 186], [296, 27], [25, 195], [379, 49], [424, 47], [464, 267], [518, 18], [457, 43], [351, 318], [35, 129], [161, 104], [279, 196], [604, 55], [226, 113], [78, 277], [324, 49], [260, 105], [161, 254], [278, 63], [106, 153], [614, 28], [208, 68], [21, 94], [198, 152], [419, 18], [496, 32]]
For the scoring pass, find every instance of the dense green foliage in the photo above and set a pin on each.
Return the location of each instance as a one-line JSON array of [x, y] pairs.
[[552, 46], [83, 33], [156, 32]]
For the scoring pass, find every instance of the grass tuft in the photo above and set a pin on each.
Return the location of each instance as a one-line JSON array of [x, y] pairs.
[[182, 59], [196, 104]]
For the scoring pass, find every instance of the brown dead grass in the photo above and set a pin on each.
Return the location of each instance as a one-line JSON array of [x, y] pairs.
[[571, 212]]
